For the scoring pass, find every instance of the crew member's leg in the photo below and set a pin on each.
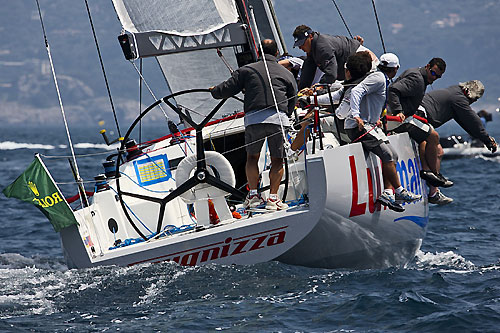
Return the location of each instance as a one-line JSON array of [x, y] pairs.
[[389, 157], [277, 151], [252, 171], [431, 160], [435, 195], [439, 158], [423, 159], [275, 174], [254, 138], [428, 140], [390, 175], [375, 143], [431, 152]]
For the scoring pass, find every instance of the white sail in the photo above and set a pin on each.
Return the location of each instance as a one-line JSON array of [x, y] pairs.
[[187, 31], [183, 18]]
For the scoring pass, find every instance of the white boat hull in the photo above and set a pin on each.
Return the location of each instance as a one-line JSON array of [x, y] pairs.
[[260, 238], [341, 226], [355, 232]]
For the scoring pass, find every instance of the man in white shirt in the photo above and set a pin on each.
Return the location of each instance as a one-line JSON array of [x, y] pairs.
[[367, 101]]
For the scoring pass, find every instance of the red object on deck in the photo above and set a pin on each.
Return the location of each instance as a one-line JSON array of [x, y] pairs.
[[214, 218], [77, 196]]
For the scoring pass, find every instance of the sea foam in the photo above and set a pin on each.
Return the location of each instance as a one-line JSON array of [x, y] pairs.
[[10, 145]]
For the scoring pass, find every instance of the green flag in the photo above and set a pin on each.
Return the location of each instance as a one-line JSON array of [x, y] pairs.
[[35, 185]]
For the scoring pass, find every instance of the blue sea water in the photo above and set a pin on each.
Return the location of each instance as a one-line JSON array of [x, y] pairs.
[[452, 285]]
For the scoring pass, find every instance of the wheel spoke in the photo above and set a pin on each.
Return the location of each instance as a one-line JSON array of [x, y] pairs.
[[161, 213], [211, 114], [143, 197], [189, 184], [225, 187]]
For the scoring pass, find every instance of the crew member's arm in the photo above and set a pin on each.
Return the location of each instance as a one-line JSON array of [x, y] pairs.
[[291, 94], [325, 99], [307, 73], [404, 87], [471, 123], [230, 87]]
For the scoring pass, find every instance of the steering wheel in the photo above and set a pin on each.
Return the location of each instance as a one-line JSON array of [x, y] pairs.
[[201, 174]]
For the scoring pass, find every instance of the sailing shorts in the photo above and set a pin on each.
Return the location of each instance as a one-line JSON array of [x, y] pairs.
[[417, 130], [374, 141], [256, 134]]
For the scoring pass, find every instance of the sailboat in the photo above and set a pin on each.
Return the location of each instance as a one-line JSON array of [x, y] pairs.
[[179, 197], [456, 146]]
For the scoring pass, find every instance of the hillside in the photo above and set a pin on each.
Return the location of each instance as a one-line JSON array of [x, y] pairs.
[[461, 32]]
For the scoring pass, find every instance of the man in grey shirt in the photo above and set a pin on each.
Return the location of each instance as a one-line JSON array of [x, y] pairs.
[[262, 119], [440, 106], [404, 98]]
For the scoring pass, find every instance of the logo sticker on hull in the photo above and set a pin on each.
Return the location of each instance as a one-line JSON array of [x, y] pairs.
[[226, 248]]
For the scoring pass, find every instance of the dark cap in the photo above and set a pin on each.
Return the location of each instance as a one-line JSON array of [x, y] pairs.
[[300, 38]]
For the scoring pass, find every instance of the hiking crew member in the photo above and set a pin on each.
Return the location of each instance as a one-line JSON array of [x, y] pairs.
[[405, 95], [262, 120], [363, 125], [440, 106]]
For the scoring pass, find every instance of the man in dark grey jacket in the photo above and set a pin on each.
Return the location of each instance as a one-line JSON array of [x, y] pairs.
[[328, 53], [404, 98], [406, 93], [262, 120], [440, 106]]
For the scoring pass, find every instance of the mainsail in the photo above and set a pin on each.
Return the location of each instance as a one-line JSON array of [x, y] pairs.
[[184, 18], [184, 37]]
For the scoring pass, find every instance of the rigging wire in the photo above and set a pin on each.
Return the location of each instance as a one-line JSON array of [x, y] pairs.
[[342, 17], [149, 89], [83, 197], [152, 93], [259, 41], [184, 136], [102, 68], [378, 25], [140, 101]]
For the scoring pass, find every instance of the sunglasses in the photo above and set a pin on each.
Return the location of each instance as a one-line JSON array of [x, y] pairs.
[[435, 74]]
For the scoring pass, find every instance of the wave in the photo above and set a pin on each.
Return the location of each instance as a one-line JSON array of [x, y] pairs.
[[11, 145], [87, 145], [495, 158], [444, 260]]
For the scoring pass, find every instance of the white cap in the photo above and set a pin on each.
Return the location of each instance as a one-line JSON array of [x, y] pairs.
[[389, 60], [296, 62]]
